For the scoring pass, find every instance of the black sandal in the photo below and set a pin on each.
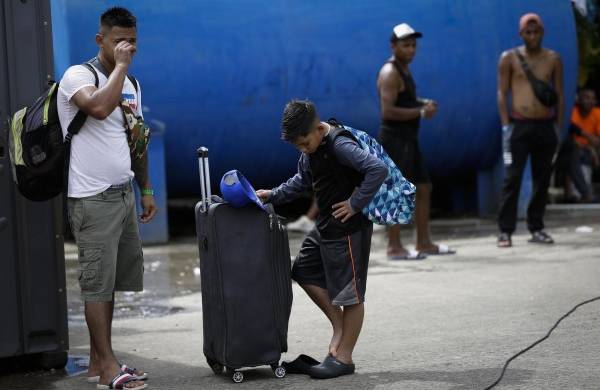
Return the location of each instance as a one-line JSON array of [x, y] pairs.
[[504, 240], [301, 365], [541, 237]]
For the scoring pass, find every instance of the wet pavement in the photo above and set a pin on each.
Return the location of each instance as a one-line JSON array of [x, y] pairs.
[[448, 322]]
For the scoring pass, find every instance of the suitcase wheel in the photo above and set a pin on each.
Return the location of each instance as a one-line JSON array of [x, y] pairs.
[[279, 372], [237, 377]]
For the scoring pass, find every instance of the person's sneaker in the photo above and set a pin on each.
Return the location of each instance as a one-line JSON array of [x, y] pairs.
[[302, 224], [541, 237]]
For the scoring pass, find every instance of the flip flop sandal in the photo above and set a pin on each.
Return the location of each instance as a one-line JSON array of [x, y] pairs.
[[124, 368], [409, 255], [441, 250], [119, 382], [131, 371], [541, 237], [301, 365]]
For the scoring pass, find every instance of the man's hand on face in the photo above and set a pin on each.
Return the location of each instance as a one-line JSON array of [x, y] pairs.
[[124, 52]]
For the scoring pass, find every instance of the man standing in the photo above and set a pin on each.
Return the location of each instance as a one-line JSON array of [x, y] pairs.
[[401, 112], [101, 202], [532, 126]]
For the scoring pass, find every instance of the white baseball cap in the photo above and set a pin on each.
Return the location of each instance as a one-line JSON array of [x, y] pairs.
[[403, 31]]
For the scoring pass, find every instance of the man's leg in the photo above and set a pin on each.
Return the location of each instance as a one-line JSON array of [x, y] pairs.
[[97, 246], [541, 172], [334, 314], [422, 212], [519, 148], [402, 153], [576, 175], [94, 368], [130, 257], [97, 316], [352, 325], [395, 247]]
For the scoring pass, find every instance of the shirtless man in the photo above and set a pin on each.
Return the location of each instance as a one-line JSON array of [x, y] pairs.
[[401, 113], [531, 128]]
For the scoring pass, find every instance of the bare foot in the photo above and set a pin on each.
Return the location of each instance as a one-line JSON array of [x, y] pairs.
[[397, 252], [94, 368], [335, 341], [429, 247]]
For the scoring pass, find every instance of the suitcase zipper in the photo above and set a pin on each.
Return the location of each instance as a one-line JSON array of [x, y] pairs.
[[276, 297], [211, 212]]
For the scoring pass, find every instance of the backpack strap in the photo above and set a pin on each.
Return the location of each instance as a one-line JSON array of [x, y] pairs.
[[337, 130], [80, 118], [133, 81], [530, 76]]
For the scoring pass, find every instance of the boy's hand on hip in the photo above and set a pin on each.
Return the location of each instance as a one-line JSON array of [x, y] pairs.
[[149, 208], [343, 211], [264, 195]]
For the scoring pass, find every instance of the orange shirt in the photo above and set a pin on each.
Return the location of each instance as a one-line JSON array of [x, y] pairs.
[[590, 124]]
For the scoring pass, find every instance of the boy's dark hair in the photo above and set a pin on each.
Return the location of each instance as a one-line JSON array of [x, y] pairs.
[[298, 119], [118, 17]]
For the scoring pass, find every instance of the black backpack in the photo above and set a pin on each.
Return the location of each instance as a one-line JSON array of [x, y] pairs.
[[38, 154]]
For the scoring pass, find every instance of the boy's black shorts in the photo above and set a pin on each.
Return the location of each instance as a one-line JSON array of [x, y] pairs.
[[338, 265]]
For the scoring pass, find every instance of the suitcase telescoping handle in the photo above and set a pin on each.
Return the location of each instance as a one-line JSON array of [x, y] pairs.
[[204, 177]]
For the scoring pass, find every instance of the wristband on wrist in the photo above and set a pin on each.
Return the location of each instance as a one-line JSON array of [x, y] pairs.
[[422, 112], [147, 191]]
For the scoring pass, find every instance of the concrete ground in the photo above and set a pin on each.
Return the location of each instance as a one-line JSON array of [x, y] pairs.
[[446, 323]]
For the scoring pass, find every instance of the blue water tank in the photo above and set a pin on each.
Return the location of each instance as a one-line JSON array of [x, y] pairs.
[[218, 73]]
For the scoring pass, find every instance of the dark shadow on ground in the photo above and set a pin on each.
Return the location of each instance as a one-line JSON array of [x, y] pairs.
[[169, 375]]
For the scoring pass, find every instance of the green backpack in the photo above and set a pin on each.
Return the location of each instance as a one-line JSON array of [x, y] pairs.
[[39, 156]]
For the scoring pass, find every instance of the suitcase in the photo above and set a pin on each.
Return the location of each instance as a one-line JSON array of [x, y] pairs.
[[246, 287]]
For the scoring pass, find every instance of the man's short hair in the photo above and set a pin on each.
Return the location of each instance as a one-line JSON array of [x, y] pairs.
[[298, 119], [118, 17], [585, 88]]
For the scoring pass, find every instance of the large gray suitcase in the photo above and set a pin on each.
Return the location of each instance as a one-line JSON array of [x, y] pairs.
[[246, 283]]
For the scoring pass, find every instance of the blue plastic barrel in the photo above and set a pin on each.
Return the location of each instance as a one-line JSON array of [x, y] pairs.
[[218, 73]]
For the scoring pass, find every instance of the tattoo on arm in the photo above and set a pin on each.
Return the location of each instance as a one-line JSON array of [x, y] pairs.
[[139, 166]]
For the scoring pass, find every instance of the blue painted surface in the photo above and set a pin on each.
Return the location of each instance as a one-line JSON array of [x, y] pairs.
[[218, 73]]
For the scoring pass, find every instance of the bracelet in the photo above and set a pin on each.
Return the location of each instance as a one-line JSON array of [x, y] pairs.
[[147, 191], [423, 112]]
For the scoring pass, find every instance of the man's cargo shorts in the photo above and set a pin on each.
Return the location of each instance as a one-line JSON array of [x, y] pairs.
[[108, 242], [338, 265]]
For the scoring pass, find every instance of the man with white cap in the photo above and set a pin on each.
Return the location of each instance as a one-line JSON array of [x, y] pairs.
[[401, 112], [534, 78]]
